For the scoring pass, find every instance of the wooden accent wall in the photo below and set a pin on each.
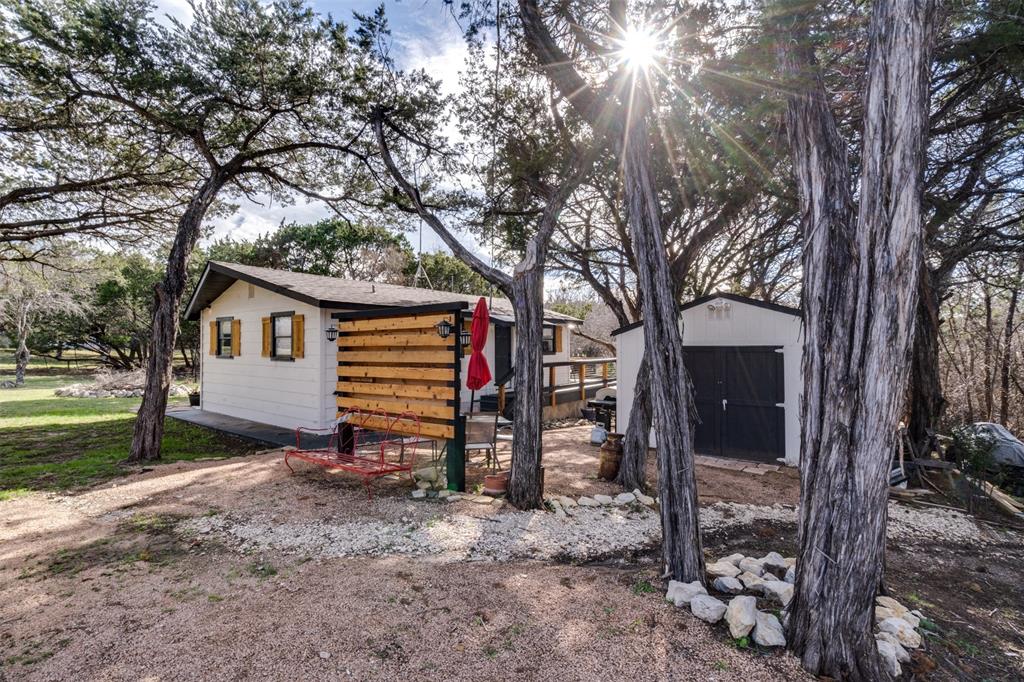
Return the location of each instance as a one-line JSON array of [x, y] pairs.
[[400, 364]]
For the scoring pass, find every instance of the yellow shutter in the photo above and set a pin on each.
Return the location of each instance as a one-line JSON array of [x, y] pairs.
[[236, 338], [213, 338], [298, 336], [558, 338], [267, 337]]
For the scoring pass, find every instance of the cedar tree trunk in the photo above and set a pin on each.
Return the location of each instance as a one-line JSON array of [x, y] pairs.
[[670, 394], [633, 468], [149, 424], [926, 402], [1004, 369], [21, 354], [990, 374], [525, 487], [860, 293]]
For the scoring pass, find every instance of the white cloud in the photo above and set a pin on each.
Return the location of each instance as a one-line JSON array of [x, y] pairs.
[[438, 48], [252, 219], [178, 9]]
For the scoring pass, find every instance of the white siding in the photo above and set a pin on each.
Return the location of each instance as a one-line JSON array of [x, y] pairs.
[[329, 371], [741, 325], [280, 393], [561, 373], [629, 351]]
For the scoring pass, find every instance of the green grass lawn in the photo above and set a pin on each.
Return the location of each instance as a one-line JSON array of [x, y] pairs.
[[51, 443]]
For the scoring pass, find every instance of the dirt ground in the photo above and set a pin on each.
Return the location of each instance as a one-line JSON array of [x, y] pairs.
[[104, 585], [571, 463]]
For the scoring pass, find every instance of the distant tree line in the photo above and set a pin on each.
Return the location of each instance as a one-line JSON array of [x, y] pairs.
[[981, 347], [103, 302], [338, 248]]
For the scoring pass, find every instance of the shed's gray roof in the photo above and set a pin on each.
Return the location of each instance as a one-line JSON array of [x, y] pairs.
[[331, 292], [776, 307]]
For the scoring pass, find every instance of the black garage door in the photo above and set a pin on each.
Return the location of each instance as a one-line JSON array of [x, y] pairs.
[[738, 391]]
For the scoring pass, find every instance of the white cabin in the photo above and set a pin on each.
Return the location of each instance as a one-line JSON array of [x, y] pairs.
[[265, 353]]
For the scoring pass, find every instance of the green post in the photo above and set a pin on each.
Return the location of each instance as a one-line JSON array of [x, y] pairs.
[[456, 460]]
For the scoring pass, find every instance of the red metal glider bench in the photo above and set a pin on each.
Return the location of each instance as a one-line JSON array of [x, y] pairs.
[[356, 448]]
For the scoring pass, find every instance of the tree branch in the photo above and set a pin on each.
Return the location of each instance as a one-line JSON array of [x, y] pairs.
[[492, 275]]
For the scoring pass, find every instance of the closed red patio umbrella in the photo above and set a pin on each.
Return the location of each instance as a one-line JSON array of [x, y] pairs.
[[479, 373]]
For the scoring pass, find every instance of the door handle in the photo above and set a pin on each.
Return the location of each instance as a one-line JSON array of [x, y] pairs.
[[724, 403]]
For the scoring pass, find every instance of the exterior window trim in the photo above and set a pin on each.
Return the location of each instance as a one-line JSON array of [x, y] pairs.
[[224, 350], [273, 337], [544, 340]]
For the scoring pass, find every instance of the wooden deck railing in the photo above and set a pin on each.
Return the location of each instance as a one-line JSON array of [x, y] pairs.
[[585, 374]]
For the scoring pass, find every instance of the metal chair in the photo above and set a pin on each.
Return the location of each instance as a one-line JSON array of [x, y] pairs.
[[502, 433], [484, 434]]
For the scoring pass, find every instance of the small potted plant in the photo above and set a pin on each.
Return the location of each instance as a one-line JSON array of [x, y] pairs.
[[193, 399]]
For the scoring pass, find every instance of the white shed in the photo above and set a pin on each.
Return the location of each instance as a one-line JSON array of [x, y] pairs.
[[744, 359]]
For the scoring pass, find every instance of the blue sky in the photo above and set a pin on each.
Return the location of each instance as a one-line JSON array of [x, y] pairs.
[[425, 36]]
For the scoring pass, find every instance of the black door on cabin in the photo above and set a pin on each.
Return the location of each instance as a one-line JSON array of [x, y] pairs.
[[738, 394], [502, 350]]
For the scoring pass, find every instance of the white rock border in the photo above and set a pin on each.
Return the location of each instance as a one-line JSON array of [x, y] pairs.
[[896, 626], [561, 506], [87, 391]]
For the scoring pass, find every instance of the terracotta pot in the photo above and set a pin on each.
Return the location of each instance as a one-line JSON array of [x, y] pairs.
[[496, 484], [611, 455]]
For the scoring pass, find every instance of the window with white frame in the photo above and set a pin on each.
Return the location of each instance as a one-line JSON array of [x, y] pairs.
[[224, 337], [281, 344], [548, 339]]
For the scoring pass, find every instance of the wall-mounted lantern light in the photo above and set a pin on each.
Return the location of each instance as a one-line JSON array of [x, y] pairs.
[[444, 329], [332, 333]]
